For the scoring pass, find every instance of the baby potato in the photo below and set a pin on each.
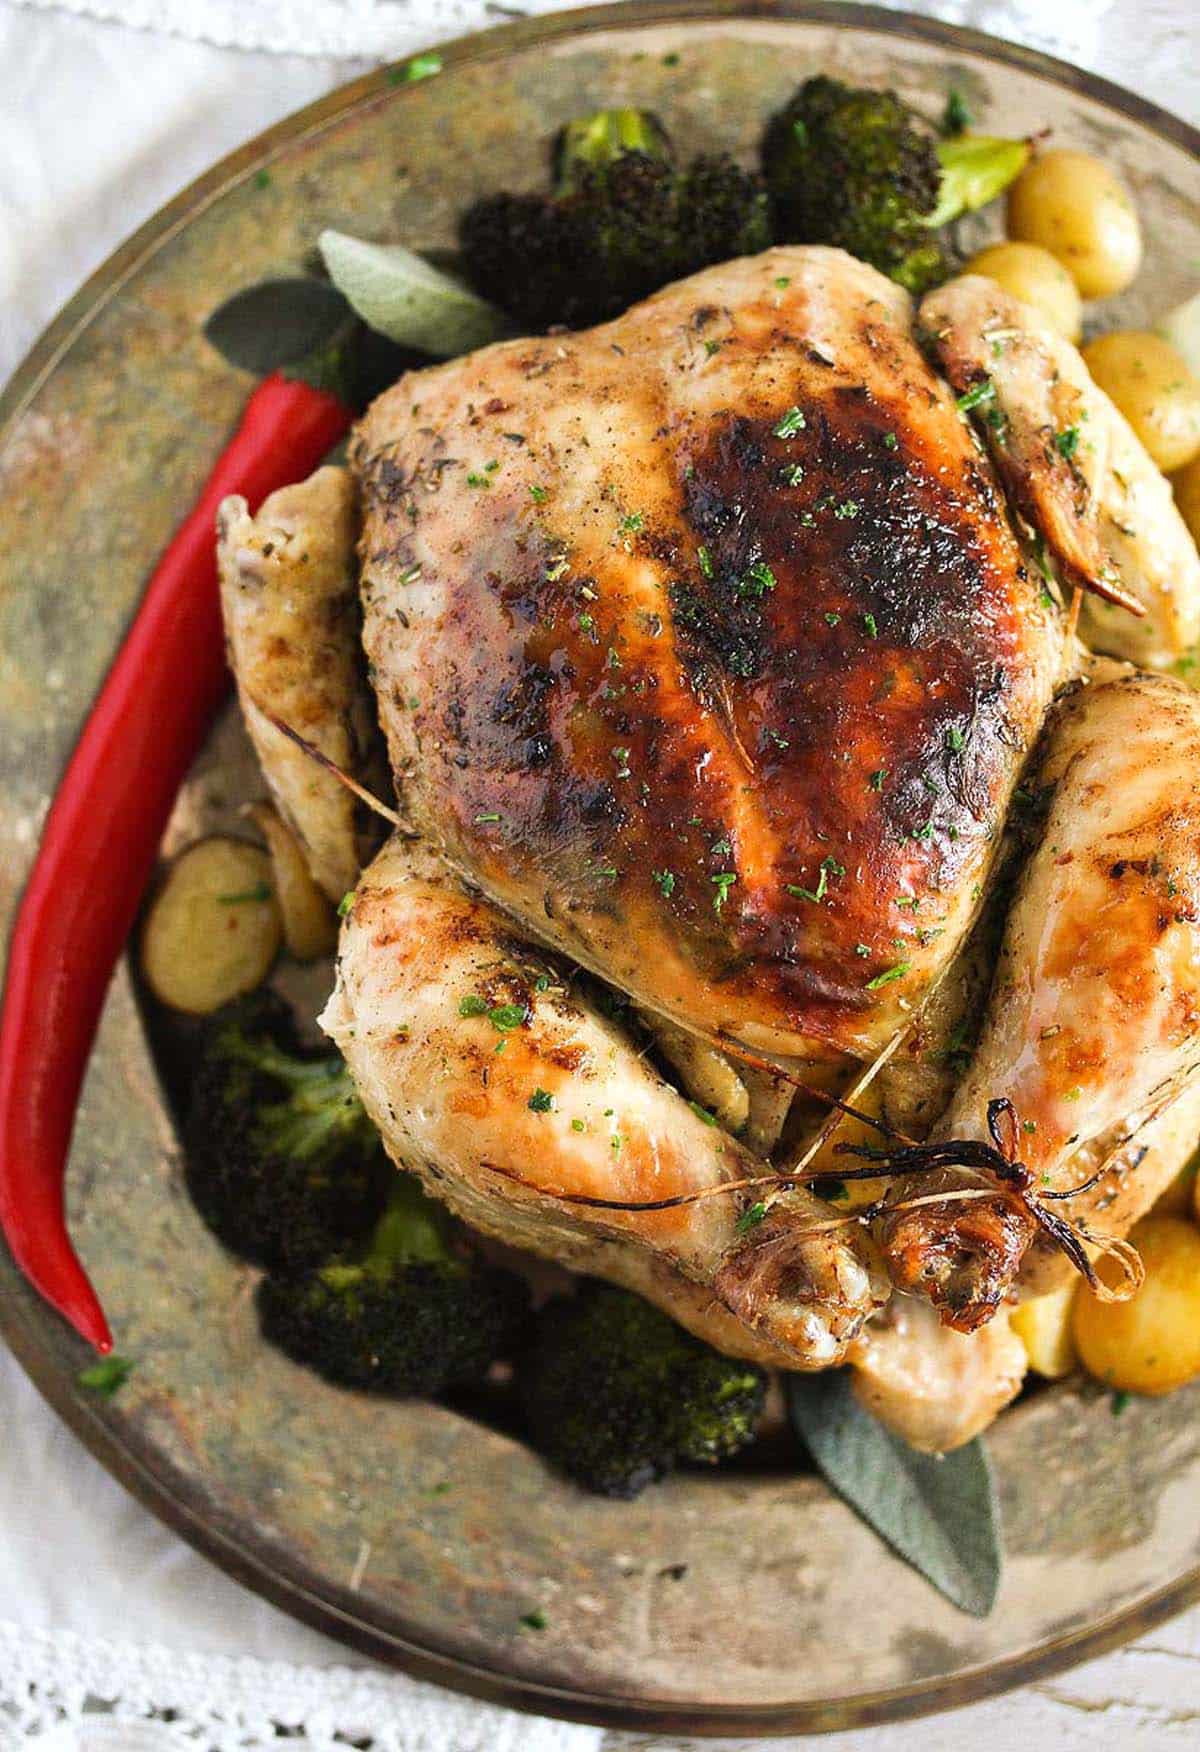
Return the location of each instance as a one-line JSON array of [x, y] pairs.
[[1153, 388], [1037, 278], [1152, 1343], [1071, 204], [1186, 485], [1043, 1325], [214, 927]]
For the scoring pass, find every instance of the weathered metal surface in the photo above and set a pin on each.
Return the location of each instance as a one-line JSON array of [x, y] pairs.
[[737, 1601]]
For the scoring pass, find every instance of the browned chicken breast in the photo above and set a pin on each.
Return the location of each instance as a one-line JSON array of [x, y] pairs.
[[705, 648]]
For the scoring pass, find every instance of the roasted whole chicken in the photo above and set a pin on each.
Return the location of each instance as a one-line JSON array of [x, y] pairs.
[[776, 711]]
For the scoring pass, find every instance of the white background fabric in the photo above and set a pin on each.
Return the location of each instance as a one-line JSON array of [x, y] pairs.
[[99, 124]]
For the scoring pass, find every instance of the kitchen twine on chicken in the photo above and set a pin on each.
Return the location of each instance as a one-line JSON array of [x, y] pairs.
[[60, 1692]]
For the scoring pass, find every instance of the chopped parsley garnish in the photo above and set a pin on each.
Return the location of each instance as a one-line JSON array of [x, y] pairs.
[[665, 880], [587, 623], [633, 523], [345, 903], [794, 474], [923, 833], [955, 740], [832, 620], [504, 1017], [791, 423], [491, 816], [577, 1125], [1067, 443], [724, 882], [262, 179], [107, 1376], [711, 347], [891, 441], [750, 1218], [704, 561], [538, 495], [535, 1620], [783, 281], [956, 117], [477, 480], [703, 1113], [897, 971], [757, 581], [982, 391], [541, 1101], [1119, 1401], [621, 756], [829, 867], [260, 891], [862, 949], [847, 508], [870, 626], [472, 1006], [876, 779]]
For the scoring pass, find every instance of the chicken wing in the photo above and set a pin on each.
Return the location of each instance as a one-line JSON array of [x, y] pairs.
[[289, 597], [1075, 467]]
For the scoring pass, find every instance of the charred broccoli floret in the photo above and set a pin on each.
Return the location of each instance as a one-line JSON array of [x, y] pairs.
[[411, 1311], [622, 219], [281, 1160], [858, 168], [855, 168], [616, 1394]]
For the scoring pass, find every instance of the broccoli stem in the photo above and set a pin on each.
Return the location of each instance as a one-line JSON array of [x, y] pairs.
[[412, 1229], [591, 143], [975, 169]]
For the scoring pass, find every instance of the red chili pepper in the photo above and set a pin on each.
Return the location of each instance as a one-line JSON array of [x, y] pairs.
[[102, 836]]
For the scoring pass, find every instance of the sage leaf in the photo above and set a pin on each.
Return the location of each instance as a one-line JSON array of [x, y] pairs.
[[275, 323], [406, 298], [939, 1513]]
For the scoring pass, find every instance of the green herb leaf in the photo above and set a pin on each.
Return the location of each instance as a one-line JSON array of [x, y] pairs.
[[703, 1113], [888, 975], [938, 1513], [981, 391], [1067, 442], [107, 1376], [472, 1006], [956, 117], [345, 903], [535, 1620], [504, 1017], [420, 67], [541, 1101], [791, 423], [277, 322], [750, 1218], [404, 297]]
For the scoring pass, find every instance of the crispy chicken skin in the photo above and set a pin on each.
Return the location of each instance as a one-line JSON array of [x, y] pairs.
[[493, 1076], [1075, 468], [289, 598], [685, 621]]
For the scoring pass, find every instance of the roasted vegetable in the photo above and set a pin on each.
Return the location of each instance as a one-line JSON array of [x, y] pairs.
[[411, 1311], [616, 1394], [858, 168], [622, 219], [281, 1160]]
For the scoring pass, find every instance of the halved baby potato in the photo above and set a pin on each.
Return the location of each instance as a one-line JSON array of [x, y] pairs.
[[1186, 487], [1151, 384], [1150, 1344], [214, 927], [1030, 273], [309, 922], [1043, 1325]]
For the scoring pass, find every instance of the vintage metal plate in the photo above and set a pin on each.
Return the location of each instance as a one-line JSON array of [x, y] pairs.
[[744, 1602]]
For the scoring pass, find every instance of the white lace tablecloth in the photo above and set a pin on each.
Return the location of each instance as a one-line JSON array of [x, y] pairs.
[[113, 1634]]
